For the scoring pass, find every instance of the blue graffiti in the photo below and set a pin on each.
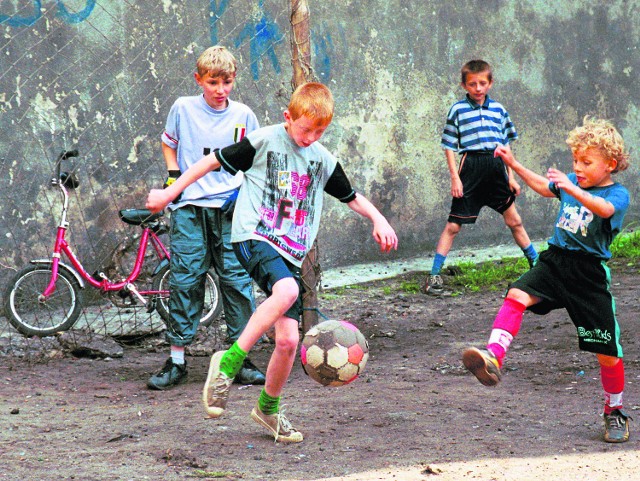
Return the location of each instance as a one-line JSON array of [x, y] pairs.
[[62, 12], [323, 50], [216, 14], [262, 35]]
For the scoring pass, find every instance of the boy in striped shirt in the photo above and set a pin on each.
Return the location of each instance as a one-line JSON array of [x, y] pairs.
[[475, 127]]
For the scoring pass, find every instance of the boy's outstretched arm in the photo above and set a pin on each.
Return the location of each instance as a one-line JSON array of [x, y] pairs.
[[158, 199], [383, 233], [597, 205], [537, 182]]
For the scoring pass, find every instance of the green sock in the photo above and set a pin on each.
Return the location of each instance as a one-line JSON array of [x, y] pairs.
[[268, 404], [231, 361]]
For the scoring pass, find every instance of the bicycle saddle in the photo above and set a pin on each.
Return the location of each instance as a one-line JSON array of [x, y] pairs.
[[139, 216]]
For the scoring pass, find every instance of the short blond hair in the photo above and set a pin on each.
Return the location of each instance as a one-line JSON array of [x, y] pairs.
[[217, 61], [602, 135], [313, 100]]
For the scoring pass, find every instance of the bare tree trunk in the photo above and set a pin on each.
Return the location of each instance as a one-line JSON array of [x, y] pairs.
[[300, 43], [302, 73]]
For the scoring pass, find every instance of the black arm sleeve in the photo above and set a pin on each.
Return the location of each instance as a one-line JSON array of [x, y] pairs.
[[236, 157], [338, 186]]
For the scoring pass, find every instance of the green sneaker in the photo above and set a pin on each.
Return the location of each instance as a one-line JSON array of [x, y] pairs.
[[279, 425], [216, 389], [483, 364], [616, 426]]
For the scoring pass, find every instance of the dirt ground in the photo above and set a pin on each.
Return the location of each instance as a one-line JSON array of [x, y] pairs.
[[415, 413]]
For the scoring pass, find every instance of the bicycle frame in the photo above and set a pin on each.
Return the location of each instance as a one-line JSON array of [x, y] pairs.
[[61, 246]]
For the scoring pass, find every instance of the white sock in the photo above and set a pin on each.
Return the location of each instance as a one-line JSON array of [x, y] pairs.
[[177, 354], [613, 400]]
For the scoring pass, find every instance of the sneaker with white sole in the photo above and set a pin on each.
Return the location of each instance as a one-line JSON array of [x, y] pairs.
[[483, 364], [279, 425], [216, 389]]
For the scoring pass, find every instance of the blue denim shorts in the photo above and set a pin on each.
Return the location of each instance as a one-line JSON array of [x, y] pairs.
[[266, 266]]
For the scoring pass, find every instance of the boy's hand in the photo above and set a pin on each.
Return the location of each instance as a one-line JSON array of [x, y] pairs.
[[560, 179], [157, 200], [514, 186], [456, 188], [385, 236], [505, 154]]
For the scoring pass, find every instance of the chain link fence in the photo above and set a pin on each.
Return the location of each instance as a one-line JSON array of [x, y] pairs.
[[100, 76]]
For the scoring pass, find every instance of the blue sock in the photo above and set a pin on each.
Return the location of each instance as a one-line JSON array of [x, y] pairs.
[[530, 252], [438, 262]]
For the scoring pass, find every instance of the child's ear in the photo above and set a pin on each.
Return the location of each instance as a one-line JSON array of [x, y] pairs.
[[613, 165]]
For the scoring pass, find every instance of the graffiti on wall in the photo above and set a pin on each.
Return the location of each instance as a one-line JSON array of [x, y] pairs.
[[262, 32], [61, 11]]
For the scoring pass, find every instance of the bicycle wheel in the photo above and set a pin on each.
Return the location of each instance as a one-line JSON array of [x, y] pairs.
[[34, 317], [212, 302]]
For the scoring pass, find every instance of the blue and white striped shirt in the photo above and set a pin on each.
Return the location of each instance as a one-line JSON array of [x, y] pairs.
[[476, 127]]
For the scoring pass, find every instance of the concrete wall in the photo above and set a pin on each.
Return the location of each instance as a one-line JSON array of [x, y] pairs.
[[100, 76]]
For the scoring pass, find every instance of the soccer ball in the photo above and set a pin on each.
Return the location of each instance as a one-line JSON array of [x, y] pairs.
[[334, 353]]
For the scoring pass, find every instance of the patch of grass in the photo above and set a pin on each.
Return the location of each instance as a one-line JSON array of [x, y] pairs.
[[627, 244], [410, 287], [489, 275]]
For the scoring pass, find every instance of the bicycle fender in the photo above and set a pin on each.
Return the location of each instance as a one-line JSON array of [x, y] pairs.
[[62, 266], [160, 266]]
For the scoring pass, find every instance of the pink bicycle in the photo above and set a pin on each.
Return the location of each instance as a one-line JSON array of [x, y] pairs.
[[45, 297]]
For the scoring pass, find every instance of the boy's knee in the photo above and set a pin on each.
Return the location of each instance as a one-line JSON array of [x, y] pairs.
[[287, 344], [286, 290], [513, 222], [452, 228], [608, 361]]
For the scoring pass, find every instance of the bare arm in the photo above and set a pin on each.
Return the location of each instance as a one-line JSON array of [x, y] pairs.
[[599, 206], [452, 165], [158, 199], [170, 157], [383, 233], [536, 181], [513, 183]]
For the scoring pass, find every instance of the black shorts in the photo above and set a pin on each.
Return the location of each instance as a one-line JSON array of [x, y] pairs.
[[579, 283], [266, 266], [484, 182]]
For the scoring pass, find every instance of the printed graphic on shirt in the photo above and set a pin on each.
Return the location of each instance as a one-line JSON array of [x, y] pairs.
[[239, 132], [287, 209], [575, 218]]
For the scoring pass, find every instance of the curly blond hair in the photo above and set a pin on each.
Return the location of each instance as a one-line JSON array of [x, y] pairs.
[[602, 135]]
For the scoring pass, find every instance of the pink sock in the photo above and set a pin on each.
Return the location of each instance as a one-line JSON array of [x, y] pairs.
[[505, 327], [613, 384]]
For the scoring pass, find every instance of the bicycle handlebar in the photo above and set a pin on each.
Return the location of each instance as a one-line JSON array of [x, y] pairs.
[[64, 155]]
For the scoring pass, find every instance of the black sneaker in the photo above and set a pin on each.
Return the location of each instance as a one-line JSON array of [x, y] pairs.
[[169, 376], [616, 426], [434, 285], [249, 374]]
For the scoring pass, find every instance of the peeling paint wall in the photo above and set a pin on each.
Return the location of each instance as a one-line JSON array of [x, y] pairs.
[[100, 76]]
